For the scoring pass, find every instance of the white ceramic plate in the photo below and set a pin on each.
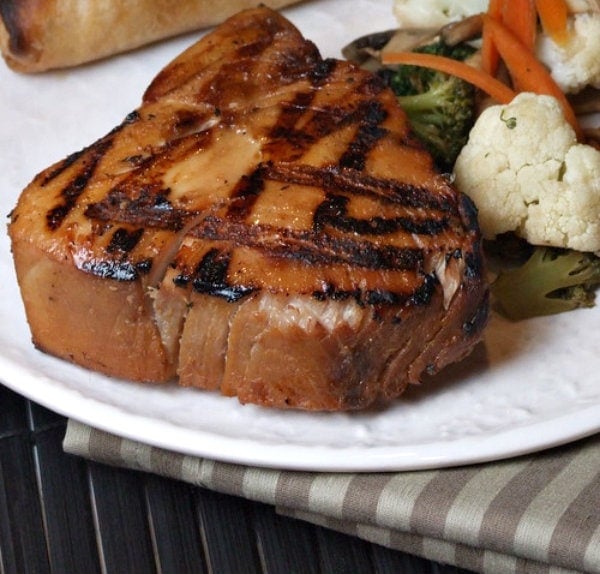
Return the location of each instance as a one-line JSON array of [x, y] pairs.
[[532, 385]]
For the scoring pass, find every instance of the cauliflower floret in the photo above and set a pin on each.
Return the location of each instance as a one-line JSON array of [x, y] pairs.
[[435, 13], [576, 64], [526, 173]]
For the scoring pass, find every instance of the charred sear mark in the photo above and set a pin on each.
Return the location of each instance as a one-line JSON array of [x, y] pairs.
[[62, 167], [456, 254], [322, 70], [382, 297], [151, 208], [103, 145], [140, 198], [333, 212], [479, 319], [469, 213], [291, 112], [286, 141], [124, 241], [332, 292], [76, 186], [117, 270], [144, 266], [372, 86], [289, 141], [118, 265], [336, 179], [246, 193], [308, 247], [130, 118], [372, 297], [253, 49], [187, 121], [210, 277], [371, 114], [474, 262], [424, 294], [135, 160]]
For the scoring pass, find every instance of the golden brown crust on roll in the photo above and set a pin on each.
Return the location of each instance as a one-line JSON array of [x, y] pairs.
[[40, 35]]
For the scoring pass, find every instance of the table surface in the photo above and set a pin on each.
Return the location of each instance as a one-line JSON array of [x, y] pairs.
[[63, 514]]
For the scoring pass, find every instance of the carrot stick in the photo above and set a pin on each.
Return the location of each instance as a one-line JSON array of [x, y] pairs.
[[496, 8], [493, 87], [489, 54], [527, 72], [553, 16], [520, 17]]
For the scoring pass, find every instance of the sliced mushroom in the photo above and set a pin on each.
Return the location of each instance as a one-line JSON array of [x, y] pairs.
[[366, 50], [592, 137], [407, 39], [367, 47], [463, 30], [586, 102]]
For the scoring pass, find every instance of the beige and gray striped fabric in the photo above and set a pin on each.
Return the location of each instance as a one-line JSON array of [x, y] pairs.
[[533, 514]]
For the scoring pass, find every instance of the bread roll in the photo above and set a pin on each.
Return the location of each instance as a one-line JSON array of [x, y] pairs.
[[40, 35]]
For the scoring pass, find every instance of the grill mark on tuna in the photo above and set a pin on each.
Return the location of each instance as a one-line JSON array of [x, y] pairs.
[[314, 247], [210, 277], [424, 294], [151, 208], [468, 213], [62, 167], [336, 179], [72, 158], [474, 264], [478, 320], [124, 240], [71, 192], [140, 198], [153, 167], [309, 247], [333, 212], [106, 269], [245, 194], [374, 297], [288, 142], [148, 205], [371, 114], [120, 269], [291, 112], [321, 71]]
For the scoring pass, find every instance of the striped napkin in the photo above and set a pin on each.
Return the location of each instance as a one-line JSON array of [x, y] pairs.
[[532, 514]]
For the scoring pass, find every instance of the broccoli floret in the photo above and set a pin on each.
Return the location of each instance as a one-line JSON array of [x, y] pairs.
[[440, 108], [412, 80], [551, 281], [441, 118]]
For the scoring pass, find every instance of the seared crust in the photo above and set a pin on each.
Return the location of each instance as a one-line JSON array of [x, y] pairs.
[[40, 35], [264, 225]]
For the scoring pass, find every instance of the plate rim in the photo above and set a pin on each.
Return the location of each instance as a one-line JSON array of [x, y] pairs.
[[28, 380], [475, 449]]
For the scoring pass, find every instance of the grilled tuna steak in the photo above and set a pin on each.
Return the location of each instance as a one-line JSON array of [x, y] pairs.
[[264, 224]]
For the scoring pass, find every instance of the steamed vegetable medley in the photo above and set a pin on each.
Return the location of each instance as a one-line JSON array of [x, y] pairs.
[[504, 94]]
